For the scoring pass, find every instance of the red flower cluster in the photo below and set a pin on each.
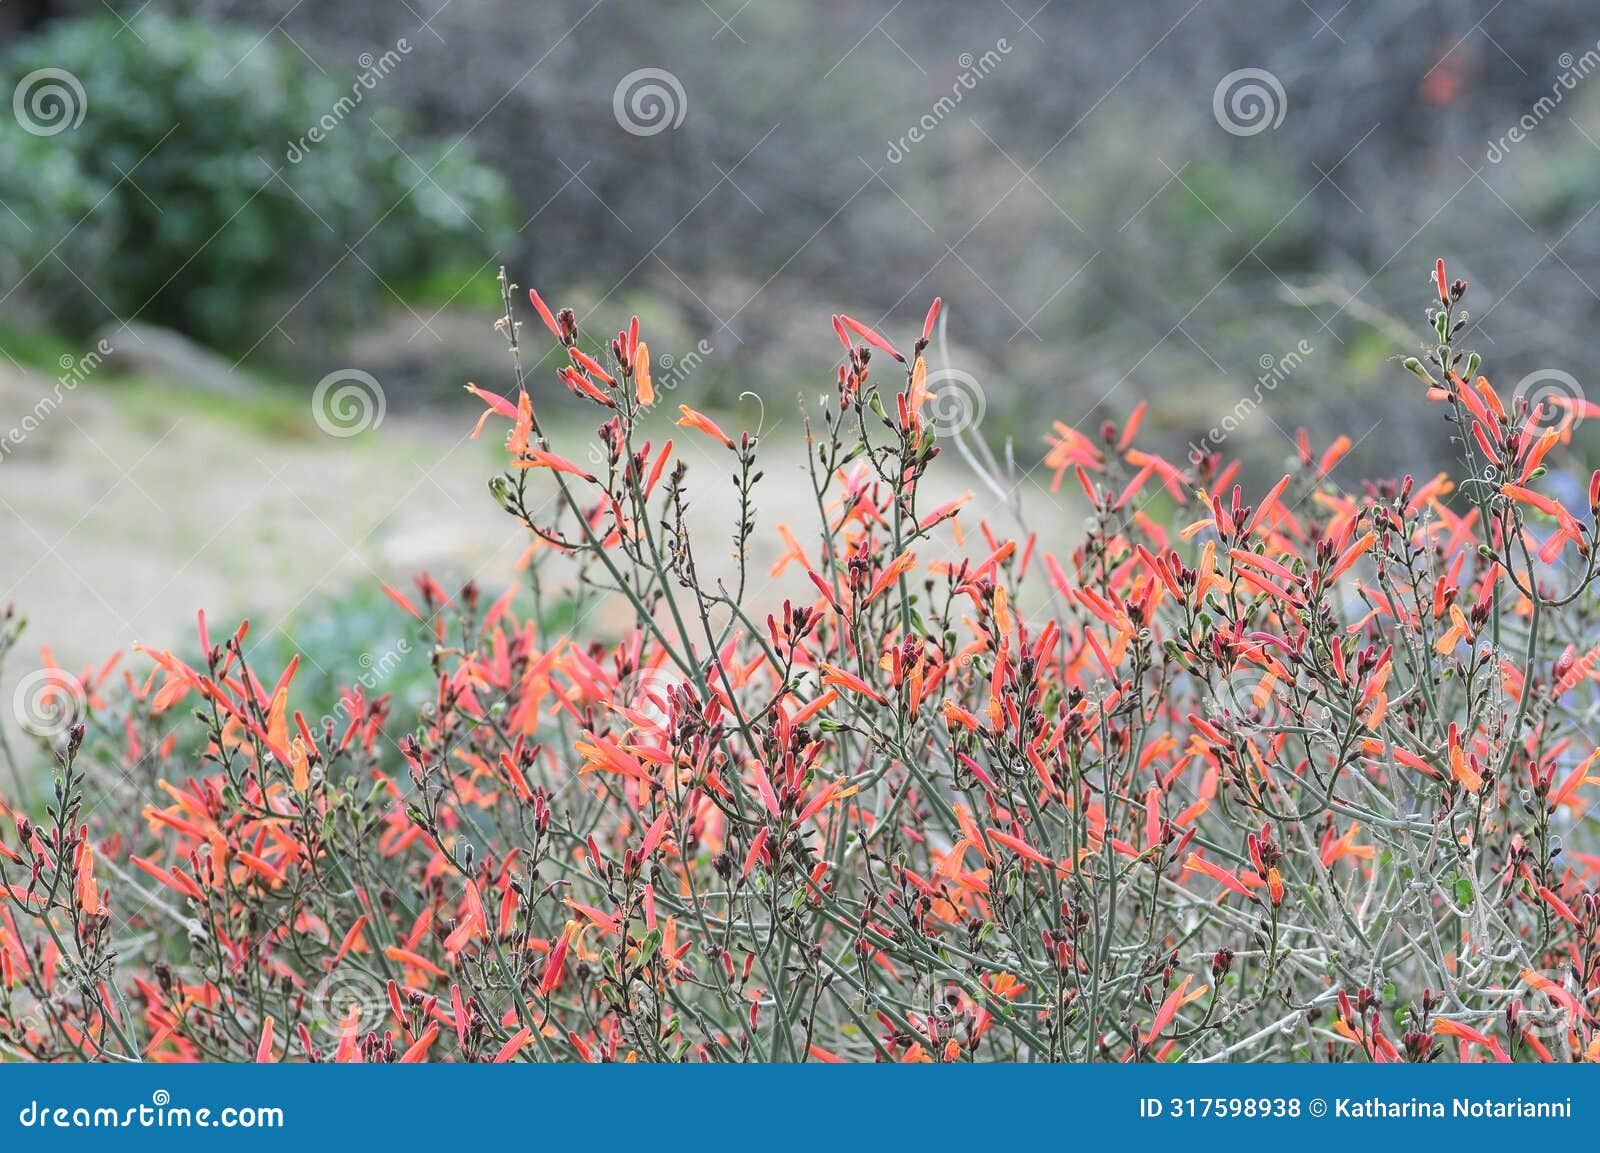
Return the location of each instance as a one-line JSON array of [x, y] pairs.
[[1303, 776]]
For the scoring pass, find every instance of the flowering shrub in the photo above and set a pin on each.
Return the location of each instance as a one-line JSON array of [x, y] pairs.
[[1291, 777], [133, 189]]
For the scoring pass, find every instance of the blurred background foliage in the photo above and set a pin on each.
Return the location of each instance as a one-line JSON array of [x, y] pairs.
[[1098, 235], [1057, 170], [175, 200]]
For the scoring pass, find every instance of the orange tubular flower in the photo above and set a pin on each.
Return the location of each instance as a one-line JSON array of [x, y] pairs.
[[1444, 1027], [1457, 632], [413, 960], [1461, 767], [419, 1048], [832, 675], [1198, 864], [88, 893], [699, 420], [538, 458], [1018, 846], [497, 405], [590, 365], [644, 387]]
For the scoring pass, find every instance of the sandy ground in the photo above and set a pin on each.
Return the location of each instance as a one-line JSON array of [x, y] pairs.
[[118, 519]]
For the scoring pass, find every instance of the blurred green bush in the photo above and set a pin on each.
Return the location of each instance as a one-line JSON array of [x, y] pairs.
[[215, 176], [354, 637]]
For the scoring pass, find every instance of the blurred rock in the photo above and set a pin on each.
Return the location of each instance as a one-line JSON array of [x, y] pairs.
[[427, 356], [160, 354]]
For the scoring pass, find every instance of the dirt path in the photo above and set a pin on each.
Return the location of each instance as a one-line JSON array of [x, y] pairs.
[[124, 509]]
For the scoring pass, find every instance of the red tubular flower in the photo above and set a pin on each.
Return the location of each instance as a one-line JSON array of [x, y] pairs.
[[870, 336], [545, 315], [555, 962], [1198, 864], [590, 365], [418, 1051], [264, 1048], [757, 852], [1175, 1000]]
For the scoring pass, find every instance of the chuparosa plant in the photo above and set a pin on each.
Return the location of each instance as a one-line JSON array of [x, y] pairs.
[[1299, 775]]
